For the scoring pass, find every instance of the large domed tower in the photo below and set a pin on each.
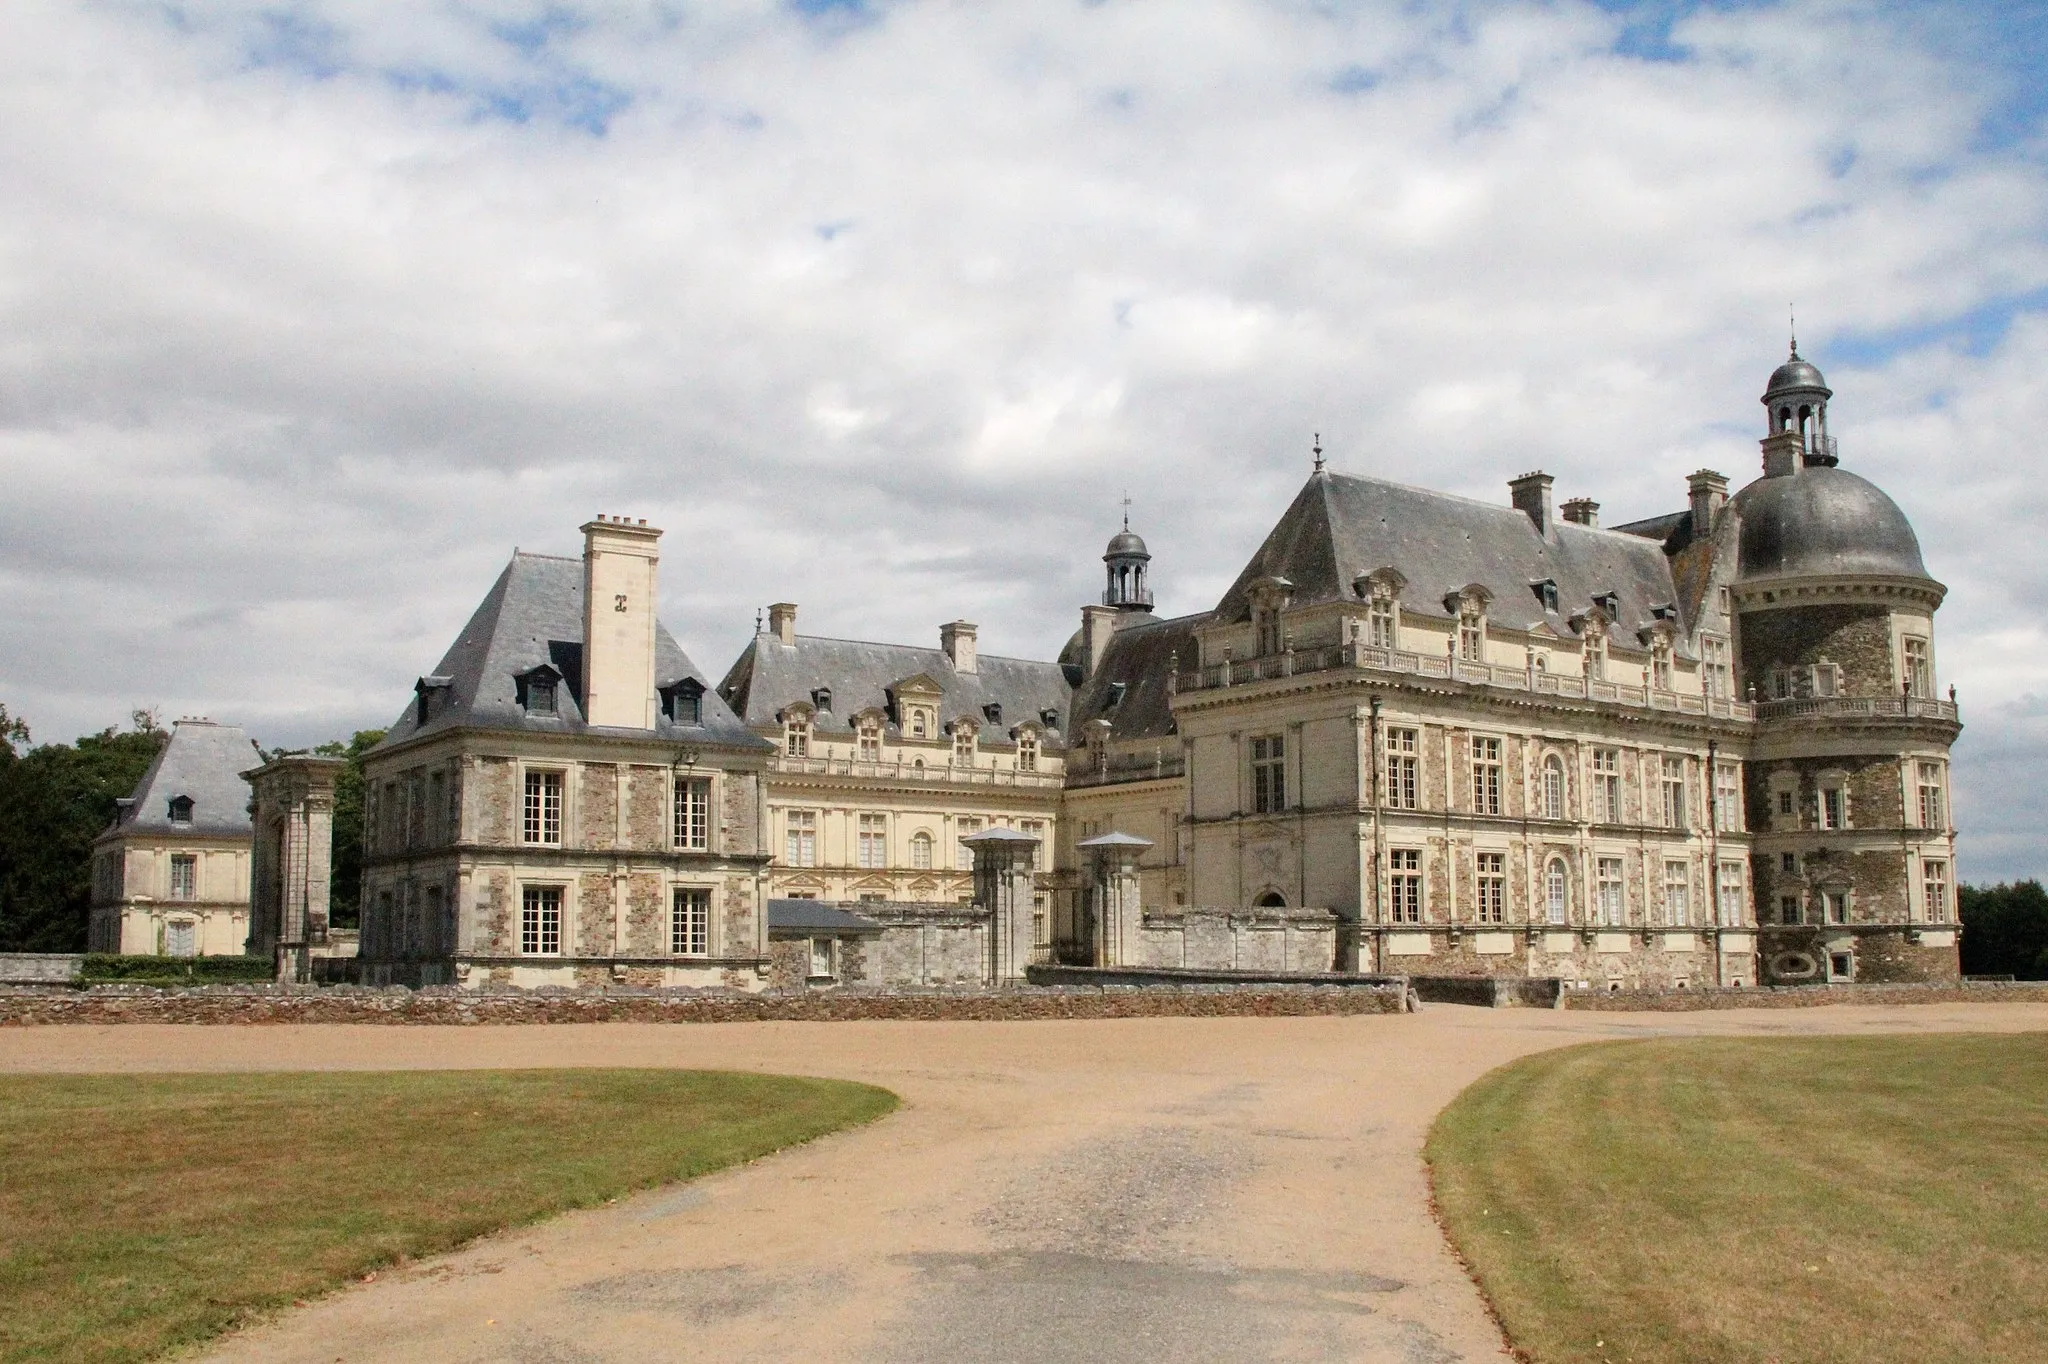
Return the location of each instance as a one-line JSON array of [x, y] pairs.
[[1847, 788]]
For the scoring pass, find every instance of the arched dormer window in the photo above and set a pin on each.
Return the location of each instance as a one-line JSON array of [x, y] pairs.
[[963, 743], [1557, 904], [1553, 787], [868, 736], [1027, 751], [1269, 597], [796, 733], [920, 723], [1468, 609], [1381, 591]]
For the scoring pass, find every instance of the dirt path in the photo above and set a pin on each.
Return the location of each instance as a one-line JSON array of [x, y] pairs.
[[1184, 1189]]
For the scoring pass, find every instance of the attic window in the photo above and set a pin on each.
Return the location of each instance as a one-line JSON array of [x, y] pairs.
[[683, 701], [1051, 716], [821, 697], [180, 810], [540, 694], [1664, 611], [1116, 693], [1610, 602], [993, 712], [1546, 592]]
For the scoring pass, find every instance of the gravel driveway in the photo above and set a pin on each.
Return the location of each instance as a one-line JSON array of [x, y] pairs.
[[1147, 1189]]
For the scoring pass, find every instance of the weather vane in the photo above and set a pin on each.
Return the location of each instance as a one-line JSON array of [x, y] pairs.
[[1127, 509], [1319, 452]]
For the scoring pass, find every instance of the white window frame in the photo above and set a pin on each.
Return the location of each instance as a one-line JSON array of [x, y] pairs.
[[1404, 885], [689, 921], [1492, 871], [800, 838], [1555, 802], [1916, 663], [1382, 622], [544, 806], [1557, 892], [1607, 784], [1729, 893], [921, 844], [871, 841], [1486, 774], [1404, 768], [542, 909], [189, 889], [1268, 773], [1612, 895], [796, 737], [1672, 778], [1728, 798], [965, 826], [1933, 806], [1677, 893], [823, 963], [691, 814], [1936, 894]]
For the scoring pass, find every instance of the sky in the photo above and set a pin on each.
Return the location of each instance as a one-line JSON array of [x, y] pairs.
[[311, 313]]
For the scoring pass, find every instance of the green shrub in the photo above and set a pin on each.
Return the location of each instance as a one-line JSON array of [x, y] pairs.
[[106, 968]]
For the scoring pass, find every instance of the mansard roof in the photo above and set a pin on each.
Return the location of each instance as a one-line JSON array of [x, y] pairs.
[[202, 762], [770, 676], [1343, 526], [533, 617]]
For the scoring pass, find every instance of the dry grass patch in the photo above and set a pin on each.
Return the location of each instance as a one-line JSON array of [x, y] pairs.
[[1833, 1199], [139, 1213]]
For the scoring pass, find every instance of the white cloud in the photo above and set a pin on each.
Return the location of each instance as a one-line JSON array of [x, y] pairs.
[[305, 322]]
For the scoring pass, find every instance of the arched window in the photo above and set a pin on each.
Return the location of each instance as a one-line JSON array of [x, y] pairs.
[[1553, 787], [1272, 899], [1556, 892], [921, 851]]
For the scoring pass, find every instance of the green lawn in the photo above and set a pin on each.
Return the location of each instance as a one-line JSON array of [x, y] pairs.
[[1834, 1199], [139, 1213]]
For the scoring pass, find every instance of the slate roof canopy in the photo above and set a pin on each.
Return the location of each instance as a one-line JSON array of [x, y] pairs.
[[202, 762], [530, 624]]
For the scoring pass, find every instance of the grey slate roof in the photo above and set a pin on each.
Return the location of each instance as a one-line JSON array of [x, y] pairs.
[[204, 762], [533, 615], [1140, 656], [1342, 526], [771, 675], [1823, 520], [809, 916]]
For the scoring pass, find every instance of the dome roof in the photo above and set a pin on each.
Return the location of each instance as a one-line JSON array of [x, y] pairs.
[[1820, 521], [1794, 373], [1125, 544]]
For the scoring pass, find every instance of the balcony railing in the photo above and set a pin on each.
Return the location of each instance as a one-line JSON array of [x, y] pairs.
[[938, 774], [1125, 767], [1294, 663], [1880, 707]]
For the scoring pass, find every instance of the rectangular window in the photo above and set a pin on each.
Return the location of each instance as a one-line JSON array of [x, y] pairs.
[[1036, 829], [870, 743], [1919, 678], [1714, 678], [1403, 769], [1027, 753], [823, 958], [689, 922], [1731, 893], [1660, 668], [1790, 911], [1379, 631], [1833, 808], [1405, 885], [1485, 775], [1269, 774], [1677, 894], [800, 842], [1930, 797], [540, 920], [1934, 889], [796, 739], [1596, 658], [963, 747], [1612, 908], [693, 814], [872, 850], [181, 938], [1674, 792], [1789, 863], [184, 876], [1607, 785], [1493, 888], [543, 808], [1472, 639], [963, 856], [1728, 798], [1836, 903]]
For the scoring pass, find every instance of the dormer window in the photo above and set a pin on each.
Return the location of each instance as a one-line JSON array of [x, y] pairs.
[[920, 723], [1546, 593], [1050, 716], [963, 744], [993, 712], [1610, 602], [1472, 637], [1596, 655], [1116, 694], [821, 697], [1380, 626], [180, 810], [537, 690], [683, 701], [1027, 752], [1660, 665], [428, 690], [796, 735], [869, 736]]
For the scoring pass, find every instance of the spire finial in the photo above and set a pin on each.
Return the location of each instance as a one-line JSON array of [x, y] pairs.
[[1792, 318], [757, 620], [1127, 509], [1319, 452]]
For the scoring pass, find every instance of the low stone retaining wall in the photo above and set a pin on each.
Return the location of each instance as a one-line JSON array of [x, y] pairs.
[[1807, 996], [1490, 992], [440, 1005], [1152, 977]]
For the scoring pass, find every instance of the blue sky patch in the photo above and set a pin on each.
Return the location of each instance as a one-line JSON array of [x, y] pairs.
[[1978, 331]]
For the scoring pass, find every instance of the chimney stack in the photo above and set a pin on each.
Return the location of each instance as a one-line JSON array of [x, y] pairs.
[[1709, 494], [1098, 623], [1581, 511], [1531, 496], [619, 558], [782, 621], [1784, 453], [957, 639]]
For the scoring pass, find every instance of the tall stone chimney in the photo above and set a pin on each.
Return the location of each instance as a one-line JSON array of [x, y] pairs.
[[782, 621], [957, 639], [1581, 511], [1784, 453], [1098, 623], [1531, 496], [618, 622], [1709, 494]]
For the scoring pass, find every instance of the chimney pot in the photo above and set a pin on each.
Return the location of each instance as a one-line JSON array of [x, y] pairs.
[[782, 621], [1581, 511], [1709, 492], [958, 639], [1531, 496]]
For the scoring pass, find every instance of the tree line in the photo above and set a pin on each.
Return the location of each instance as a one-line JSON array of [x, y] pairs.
[[55, 799]]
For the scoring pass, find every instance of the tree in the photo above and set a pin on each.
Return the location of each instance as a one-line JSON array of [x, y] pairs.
[[54, 801], [344, 900], [2005, 930]]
